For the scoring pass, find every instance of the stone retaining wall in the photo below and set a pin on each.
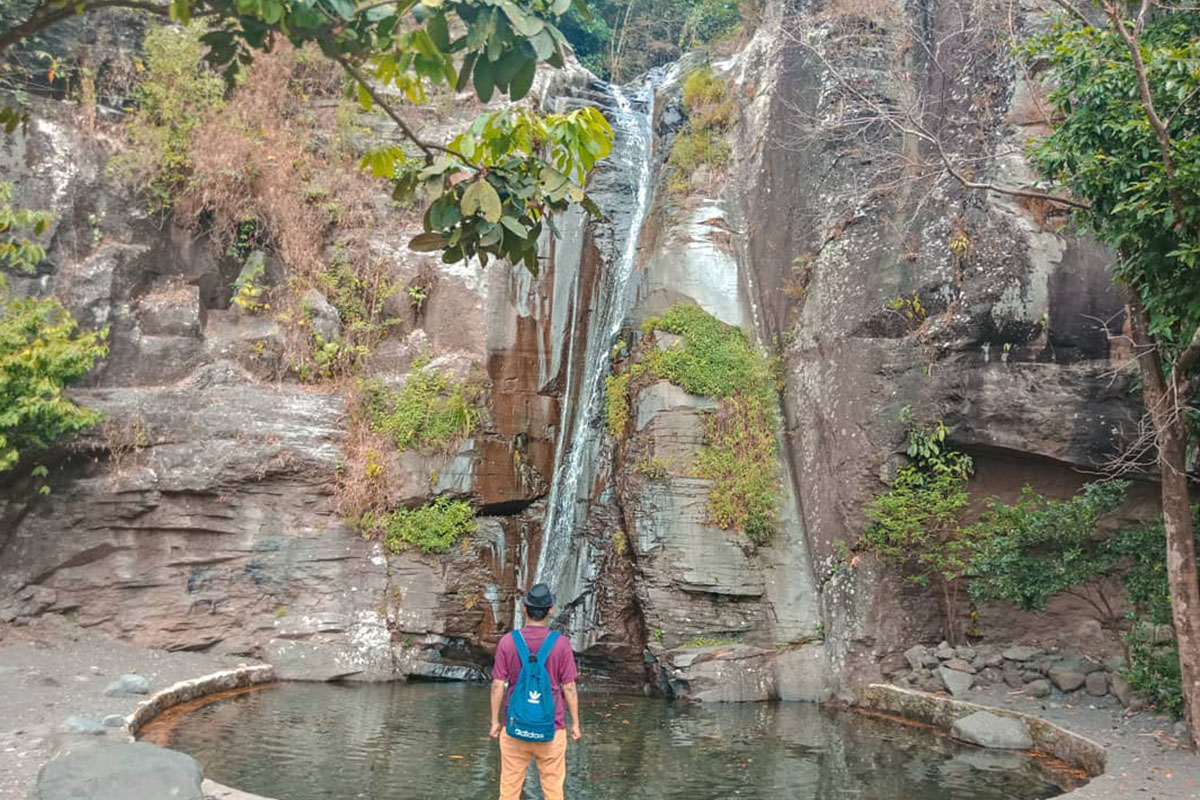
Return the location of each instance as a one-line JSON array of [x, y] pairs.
[[184, 691], [941, 712]]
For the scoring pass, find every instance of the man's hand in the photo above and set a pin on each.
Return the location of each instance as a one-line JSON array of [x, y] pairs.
[[576, 731], [495, 732]]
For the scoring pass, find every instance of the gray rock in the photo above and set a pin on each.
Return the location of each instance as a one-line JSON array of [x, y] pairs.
[[325, 319], [127, 684], [989, 730], [915, 656], [991, 675], [989, 660], [1039, 688], [1021, 653], [1013, 677], [113, 721], [137, 771], [1067, 675], [944, 652], [1115, 664], [83, 725], [966, 653], [1162, 634], [956, 682], [960, 665], [930, 661], [1126, 695], [1097, 684]]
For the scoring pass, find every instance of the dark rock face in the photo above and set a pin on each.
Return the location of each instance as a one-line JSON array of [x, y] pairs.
[[1012, 348]]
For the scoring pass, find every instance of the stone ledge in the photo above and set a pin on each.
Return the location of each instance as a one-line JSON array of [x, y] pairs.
[[215, 791], [941, 713], [184, 691]]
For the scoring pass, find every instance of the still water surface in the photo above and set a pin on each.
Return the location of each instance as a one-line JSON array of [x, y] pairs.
[[423, 741]]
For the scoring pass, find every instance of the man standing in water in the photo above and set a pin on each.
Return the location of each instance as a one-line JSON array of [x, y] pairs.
[[515, 753]]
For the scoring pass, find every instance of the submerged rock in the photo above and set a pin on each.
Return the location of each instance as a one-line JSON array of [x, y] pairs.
[[989, 730]]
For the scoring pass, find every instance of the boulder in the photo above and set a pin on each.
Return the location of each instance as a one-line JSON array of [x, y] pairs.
[[944, 652], [1039, 688], [1013, 677], [88, 727], [1130, 699], [956, 682], [137, 771], [960, 665], [989, 730], [325, 319], [1067, 675], [127, 684], [966, 653], [1020, 653], [1097, 684], [915, 656]]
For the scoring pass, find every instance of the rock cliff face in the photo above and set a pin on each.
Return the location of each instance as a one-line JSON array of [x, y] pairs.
[[201, 514]]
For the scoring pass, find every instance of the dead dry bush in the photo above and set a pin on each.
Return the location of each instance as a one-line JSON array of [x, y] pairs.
[[368, 460], [260, 162]]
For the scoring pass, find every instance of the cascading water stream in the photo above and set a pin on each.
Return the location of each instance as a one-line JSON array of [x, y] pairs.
[[624, 187]]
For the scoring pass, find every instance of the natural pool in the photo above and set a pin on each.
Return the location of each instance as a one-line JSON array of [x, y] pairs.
[[424, 740]]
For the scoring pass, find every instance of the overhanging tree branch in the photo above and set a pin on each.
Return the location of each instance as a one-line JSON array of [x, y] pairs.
[[47, 14]]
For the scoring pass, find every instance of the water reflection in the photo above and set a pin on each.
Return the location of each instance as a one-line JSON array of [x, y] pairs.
[[422, 741]]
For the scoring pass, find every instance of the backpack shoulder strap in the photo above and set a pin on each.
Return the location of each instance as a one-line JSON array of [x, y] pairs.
[[547, 647], [522, 648]]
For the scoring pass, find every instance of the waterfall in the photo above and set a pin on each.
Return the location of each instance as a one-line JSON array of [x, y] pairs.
[[623, 186]]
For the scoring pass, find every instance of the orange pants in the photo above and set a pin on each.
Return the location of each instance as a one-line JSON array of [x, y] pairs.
[[551, 763]]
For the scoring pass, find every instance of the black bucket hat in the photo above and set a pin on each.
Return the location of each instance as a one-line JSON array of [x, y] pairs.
[[539, 596]]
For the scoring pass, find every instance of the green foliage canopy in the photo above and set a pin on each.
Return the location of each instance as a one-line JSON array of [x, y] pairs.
[[1038, 547], [1105, 150], [41, 350]]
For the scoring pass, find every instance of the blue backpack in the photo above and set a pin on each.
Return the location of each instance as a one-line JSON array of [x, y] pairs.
[[531, 704]]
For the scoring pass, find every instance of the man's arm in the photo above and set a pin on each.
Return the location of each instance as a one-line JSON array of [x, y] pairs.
[[497, 701], [571, 698]]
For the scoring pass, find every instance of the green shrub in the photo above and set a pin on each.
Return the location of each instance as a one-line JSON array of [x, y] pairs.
[[41, 351], [17, 251], [917, 524], [702, 140], [616, 404], [432, 413], [1153, 667], [713, 358], [1038, 547], [431, 528], [176, 95], [740, 449], [709, 20]]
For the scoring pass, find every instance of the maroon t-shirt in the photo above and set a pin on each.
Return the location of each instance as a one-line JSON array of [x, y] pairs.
[[560, 665]]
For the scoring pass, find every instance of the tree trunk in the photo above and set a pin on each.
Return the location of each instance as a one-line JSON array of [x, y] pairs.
[[1160, 392]]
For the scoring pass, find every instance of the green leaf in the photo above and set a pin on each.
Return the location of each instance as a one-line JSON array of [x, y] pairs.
[[522, 81], [439, 32], [515, 226], [482, 76], [428, 242]]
